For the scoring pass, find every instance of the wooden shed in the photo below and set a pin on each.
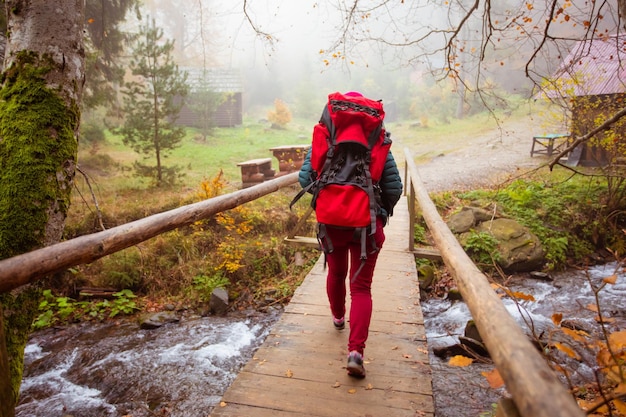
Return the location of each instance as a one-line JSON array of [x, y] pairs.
[[225, 86], [594, 76]]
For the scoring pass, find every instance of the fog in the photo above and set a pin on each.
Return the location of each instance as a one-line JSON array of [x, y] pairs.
[[299, 51]]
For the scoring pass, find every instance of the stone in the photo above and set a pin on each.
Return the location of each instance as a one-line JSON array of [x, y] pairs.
[[462, 221], [520, 250], [218, 304], [156, 320]]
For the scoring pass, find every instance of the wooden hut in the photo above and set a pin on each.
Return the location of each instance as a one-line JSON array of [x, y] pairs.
[[594, 76], [225, 86]]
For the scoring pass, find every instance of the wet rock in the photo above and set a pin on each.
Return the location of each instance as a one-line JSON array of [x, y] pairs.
[[474, 347], [156, 320], [471, 331], [454, 294], [426, 276], [541, 275], [219, 301]]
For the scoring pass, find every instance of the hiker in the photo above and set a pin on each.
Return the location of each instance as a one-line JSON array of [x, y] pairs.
[[342, 242]]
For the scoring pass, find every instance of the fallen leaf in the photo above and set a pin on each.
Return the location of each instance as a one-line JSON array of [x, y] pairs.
[[567, 350], [352, 391], [394, 348], [577, 335], [369, 387], [289, 373], [223, 404], [592, 307], [557, 318], [618, 339], [460, 361], [336, 385], [494, 378], [610, 280]]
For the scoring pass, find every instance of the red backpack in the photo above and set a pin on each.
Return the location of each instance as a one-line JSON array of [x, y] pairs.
[[348, 153]]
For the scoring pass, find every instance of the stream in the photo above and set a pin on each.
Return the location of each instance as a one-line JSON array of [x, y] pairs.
[[182, 370], [463, 391], [117, 369]]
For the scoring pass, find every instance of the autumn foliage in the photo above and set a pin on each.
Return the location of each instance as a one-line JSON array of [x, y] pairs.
[[280, 116]]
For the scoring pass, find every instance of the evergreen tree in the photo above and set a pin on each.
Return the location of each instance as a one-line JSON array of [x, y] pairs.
[[152, 103], [204, 102]]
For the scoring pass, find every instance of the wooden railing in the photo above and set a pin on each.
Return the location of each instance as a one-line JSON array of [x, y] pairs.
[[535, 389], [28, 267]]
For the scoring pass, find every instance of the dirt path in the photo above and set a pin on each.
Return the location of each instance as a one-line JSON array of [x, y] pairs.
[[476, 161]]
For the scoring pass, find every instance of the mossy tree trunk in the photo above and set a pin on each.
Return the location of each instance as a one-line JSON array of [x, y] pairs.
[[40, 96]]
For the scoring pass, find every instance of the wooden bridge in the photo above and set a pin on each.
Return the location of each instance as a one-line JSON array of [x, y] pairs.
[[300, 369]]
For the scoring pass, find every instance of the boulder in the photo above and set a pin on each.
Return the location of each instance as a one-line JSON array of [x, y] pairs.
[[467, 219], [519, 249], [218, 304]]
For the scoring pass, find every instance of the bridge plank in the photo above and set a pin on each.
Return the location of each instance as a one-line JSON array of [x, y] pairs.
[[300, 368]]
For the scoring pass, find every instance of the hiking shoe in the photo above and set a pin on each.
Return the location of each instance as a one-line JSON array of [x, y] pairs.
[[355, 365], [339, 324]]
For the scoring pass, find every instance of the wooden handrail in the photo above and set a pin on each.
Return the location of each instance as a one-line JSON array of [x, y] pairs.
[[28, 267], [535, 389]]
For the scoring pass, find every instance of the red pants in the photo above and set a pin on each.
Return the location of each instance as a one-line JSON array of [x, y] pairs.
[[345, 246]]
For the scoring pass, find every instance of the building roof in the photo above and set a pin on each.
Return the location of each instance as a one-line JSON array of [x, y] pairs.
[[217, 79], [595, 67]]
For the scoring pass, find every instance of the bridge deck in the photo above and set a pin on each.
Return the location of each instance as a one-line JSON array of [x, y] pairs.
[[300, 368]]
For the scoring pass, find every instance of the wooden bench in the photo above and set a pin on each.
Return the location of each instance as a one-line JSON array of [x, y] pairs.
[[549, 144], [255, 171], [290, 157]]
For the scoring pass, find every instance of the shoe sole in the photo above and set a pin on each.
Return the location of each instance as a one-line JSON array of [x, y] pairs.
[[356, 370]]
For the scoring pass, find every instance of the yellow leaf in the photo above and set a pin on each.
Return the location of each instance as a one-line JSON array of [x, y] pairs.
[[577, 335], [557, 318], [521, 295], [460, 361], [352, 391], [494, 378], [620, 406], [610, 280], [223, 404], [369, 387], [289, 373], [567, 350], [618, 339]]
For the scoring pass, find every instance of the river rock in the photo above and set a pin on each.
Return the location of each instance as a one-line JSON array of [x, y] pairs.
[[467, 218], [219, 301], [520, 250], [156, 320]]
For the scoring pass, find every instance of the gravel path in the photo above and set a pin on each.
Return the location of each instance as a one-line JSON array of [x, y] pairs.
[[484, 160]]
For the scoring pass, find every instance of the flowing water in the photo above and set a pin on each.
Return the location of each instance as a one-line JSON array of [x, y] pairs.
[[182, 369], [464, 391], [117, 369]]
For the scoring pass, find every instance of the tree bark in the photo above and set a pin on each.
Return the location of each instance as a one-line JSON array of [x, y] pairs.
[[40, 96]]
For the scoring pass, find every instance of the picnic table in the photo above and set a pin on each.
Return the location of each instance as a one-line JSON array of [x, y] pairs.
[[548, 144]]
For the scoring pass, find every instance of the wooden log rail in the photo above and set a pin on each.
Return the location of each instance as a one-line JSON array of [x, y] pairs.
[[28, 267], [535, 389]]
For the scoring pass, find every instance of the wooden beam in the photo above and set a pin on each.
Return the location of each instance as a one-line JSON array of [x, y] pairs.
[[536, 390], [23, 269]]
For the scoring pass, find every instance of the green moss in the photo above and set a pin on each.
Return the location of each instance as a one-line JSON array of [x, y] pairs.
[[38, 151], [19, 313], [37, 145]]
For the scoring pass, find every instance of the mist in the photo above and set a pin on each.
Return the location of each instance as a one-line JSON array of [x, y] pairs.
[[300, 51]]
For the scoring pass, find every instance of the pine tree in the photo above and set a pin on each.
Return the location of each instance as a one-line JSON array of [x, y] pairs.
[[152, 103]]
